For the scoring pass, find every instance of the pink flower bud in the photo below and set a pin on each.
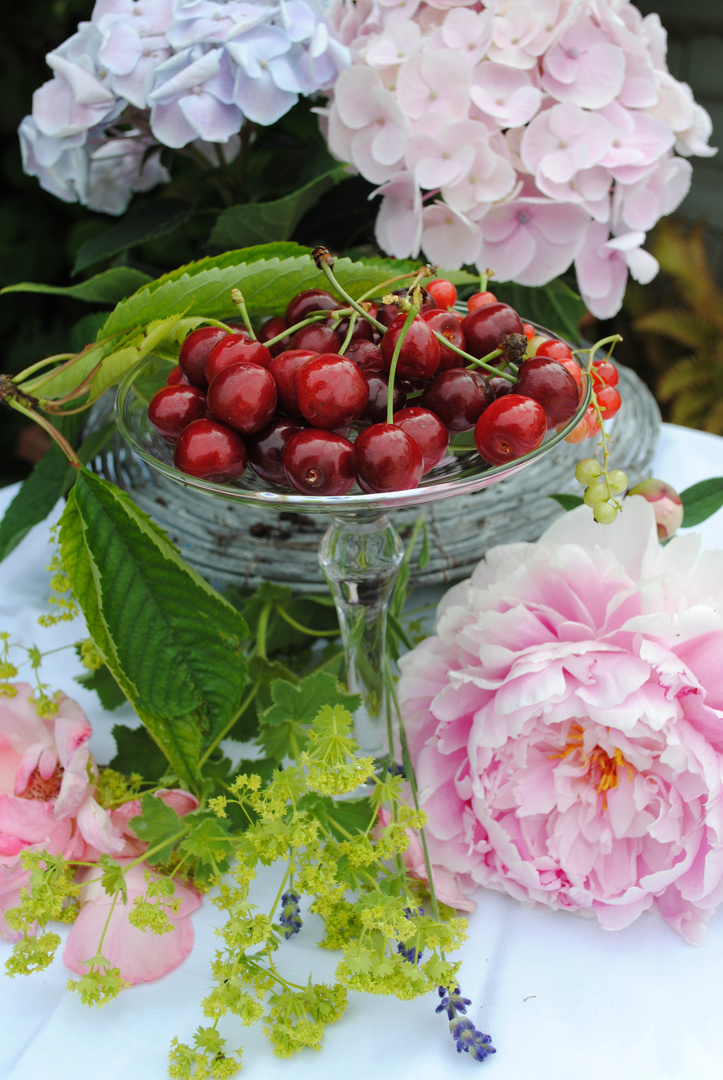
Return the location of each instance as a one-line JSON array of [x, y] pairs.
[[667, 505]]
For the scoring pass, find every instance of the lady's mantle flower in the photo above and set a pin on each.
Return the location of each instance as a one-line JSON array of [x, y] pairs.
[[566, 723]]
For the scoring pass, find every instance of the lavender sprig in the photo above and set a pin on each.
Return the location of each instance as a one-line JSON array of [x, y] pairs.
[[465, 1034], [290, 918]]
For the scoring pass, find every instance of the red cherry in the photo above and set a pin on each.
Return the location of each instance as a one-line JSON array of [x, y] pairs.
[[443, 292], [318, 338], [284, 368], [529, 330], [266, 448], [448, 325], [375, 410], [307, 302], [331, 391], [366, 355], [244, 397], [319, 462], [211, 451], [428, 432], [385, 458], [608, 400], [552, 385], [173, 407], [509, 428], [175, 376], [194, 353], [558, 350], [574, 368], [419, 355], [485, 328], [499, 385], [271, 328], [458, 396], [235, 349], [480, 299], [604, 373], [363, 330]]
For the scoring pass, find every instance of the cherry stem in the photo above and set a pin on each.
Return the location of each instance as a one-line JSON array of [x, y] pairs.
[[41, 364], [384, 286], [350, 330], [238, 300], [318, 316], [411, 315], [329, 273], [52, 431], [483, 363]]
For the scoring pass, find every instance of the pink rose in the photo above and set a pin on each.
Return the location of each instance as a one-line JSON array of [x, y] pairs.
[[566, 723], [47, 800]]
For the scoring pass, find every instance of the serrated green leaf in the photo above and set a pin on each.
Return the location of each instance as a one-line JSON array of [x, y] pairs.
[[284, 726], [567, 502], [104, 685], [701, 501], [207, 841], [113, 879], [260, 223], [118, 363], [158, 218], [172, 643], [159, 826], [108, 287], [137, 753], [342, 816]]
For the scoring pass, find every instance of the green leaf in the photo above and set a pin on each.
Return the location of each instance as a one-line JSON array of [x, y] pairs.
[[102, 682], [137, 753], [113, 879], [259, 223], [108, 287], [160, 826], [207, 843], [172, 643], [554, 306], [284, 726], [155, 219], [203, 288], [567, 502], [702, 500], [342, 816]]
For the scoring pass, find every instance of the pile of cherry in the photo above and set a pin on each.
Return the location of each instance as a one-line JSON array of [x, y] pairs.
[[286, 401]]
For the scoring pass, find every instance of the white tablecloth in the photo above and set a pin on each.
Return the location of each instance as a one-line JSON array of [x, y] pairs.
[[562, 999]]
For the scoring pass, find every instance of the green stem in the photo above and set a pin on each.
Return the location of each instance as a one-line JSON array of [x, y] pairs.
[[329, 273], [261, 629], [224, 732], [411, 315], [52, 431], [305, 629], [238, 300]]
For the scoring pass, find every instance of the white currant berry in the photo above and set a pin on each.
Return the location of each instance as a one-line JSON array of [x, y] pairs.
[[605, 513], [597, 492], [617, 481], [587, 470]]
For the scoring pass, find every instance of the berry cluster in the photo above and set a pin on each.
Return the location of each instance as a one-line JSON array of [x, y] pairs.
[[338, 392]]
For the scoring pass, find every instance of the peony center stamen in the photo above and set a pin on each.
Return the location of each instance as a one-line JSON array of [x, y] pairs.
[[42, 789], [601, 768]]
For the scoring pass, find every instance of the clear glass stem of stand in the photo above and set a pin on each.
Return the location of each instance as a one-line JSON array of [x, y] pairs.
[[360, 557]]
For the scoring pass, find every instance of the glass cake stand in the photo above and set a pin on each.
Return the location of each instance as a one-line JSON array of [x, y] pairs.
[[359, 554]]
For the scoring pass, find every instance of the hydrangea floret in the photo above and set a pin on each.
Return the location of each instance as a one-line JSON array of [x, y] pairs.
[[145, 74], [523, 137]]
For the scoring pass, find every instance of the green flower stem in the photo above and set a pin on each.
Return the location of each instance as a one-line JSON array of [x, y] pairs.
[[261, 629], [305, 629], [411, 315], [411, 777], [224, 732], [289, 872]]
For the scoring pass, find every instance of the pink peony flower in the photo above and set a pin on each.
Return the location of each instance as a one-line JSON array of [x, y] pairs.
[[666, 503], [446, 886], [566, 723], [140, 955]]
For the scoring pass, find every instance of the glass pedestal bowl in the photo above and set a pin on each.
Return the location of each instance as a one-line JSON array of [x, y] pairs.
[[360, 553]]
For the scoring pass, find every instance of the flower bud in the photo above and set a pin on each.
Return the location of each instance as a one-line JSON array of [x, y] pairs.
[[667, 505]]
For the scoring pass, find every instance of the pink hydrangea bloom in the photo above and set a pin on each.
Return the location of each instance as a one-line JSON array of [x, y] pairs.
[[566, 723], [581, 116]]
